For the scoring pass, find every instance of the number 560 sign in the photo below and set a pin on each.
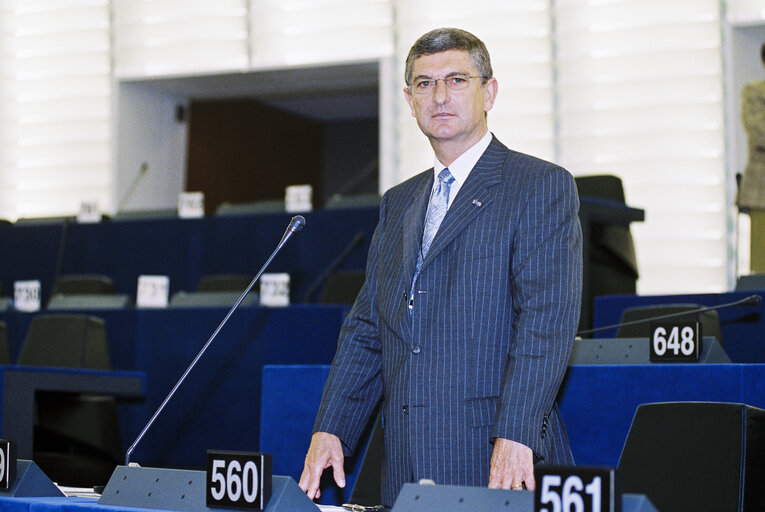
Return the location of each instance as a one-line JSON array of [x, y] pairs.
[[238, 480], [575, 489]]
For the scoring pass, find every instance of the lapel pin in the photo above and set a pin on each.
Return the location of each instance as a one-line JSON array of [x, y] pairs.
[[476, 202]]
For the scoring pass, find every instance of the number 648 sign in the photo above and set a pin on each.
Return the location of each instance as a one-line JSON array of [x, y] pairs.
[[575, 489]]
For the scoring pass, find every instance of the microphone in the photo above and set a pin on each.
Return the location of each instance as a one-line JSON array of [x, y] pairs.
[[133, 184], [355, 242], [752, 300], [296, 224]]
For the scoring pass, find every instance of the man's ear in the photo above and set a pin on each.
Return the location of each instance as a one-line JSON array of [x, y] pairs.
[[409, 100], [490, 93]]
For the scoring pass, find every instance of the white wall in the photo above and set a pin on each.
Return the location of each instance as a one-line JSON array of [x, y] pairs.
[[147, 131]]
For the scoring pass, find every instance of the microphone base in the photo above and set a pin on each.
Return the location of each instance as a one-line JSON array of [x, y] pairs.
[[186, 490]]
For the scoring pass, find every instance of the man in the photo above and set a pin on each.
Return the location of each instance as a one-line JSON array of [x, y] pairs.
[[465, 334]]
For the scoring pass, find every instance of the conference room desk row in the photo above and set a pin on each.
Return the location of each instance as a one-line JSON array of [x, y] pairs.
[[183, 249], [187, 249], [598, 403], [742, 327], [219, 404]]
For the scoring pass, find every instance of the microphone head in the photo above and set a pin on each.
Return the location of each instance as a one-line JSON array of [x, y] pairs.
[[754, 300], [297, 223]]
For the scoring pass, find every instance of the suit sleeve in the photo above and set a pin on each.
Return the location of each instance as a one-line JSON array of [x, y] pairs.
[[354, 385], [546, 289]]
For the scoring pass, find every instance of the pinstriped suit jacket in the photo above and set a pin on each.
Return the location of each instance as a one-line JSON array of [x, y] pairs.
[[482, 351]]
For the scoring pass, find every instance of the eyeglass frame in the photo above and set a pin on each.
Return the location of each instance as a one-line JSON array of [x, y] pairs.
[[445, 80]]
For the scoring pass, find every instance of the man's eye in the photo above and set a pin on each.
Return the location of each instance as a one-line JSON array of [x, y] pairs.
[[424, 84], [457, 80]]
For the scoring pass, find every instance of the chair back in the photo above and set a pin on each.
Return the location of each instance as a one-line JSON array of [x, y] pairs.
[[5, 358], [342, 287], [224, 283], [69, 341], [84, 284]]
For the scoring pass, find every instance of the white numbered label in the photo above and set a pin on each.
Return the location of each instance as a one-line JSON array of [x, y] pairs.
[[89, 212], [238, 480], [576, 489], [298, 198], [152, 291], [7, 463], [275, 289], [27, 296], [191, 205], [676, 342]]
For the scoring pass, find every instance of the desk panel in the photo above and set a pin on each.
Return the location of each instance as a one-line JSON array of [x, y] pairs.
[[184, 249], [597, 403], [218, 407]]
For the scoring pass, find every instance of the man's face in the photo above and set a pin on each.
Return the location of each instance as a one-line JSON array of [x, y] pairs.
[[445, 115]]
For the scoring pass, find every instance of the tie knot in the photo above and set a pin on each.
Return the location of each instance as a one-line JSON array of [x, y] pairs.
[[446, 176]]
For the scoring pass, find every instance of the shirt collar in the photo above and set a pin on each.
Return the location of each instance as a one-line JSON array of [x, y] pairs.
[[462, 166]]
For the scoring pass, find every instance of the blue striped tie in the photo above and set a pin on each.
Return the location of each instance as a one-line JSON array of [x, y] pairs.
[[436, 210]]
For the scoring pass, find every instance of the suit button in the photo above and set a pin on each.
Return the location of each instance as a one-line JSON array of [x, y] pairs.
[[416, 349], [405, 409]]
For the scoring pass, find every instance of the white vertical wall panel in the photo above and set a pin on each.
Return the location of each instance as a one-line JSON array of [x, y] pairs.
[[171, 37], [302, 32], [640, 96], [56, 106], [746, 12]]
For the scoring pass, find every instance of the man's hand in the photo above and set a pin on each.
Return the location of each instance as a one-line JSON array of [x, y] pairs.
[[512, 465], [325, 451]]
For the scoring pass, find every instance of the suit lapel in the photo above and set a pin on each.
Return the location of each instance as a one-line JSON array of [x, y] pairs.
[[475, 195]]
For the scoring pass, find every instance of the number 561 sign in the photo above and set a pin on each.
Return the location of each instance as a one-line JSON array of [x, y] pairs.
[[575, 489]]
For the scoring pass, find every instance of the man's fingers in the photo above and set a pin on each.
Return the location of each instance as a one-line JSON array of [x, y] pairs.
[[338, 472], [531, 484], [309, 483], [511, 466], [325, 451]]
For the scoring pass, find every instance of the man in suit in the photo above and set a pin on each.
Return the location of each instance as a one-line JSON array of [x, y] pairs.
[[464, 325]]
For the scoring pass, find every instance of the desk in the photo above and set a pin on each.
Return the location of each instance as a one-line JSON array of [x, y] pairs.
[[183, 249], [597, 404], [219, 404], [60, 505], [20, 383]]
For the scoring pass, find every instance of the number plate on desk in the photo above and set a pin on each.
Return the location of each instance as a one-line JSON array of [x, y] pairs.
[[7, 463], [26, 296], [676, 341], [584, 489], [238, 480]]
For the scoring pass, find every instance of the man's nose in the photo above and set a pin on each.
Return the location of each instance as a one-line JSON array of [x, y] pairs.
[[440, 91]]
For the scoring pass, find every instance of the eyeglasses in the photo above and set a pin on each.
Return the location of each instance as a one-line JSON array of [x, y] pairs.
[[454, 83]]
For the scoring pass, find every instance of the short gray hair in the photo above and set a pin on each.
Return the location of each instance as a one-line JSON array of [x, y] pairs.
[[442, 39]]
